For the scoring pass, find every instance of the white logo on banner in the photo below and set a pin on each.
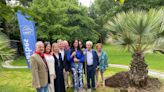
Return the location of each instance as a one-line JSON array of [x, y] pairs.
[[27, 30]]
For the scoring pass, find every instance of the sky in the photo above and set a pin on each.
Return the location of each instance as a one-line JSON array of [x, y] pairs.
[[86, 3]]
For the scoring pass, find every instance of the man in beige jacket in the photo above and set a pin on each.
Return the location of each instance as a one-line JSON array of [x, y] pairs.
[[39, 69]]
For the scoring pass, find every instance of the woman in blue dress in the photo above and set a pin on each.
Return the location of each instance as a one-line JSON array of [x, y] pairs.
[[76, 58], [103, 62]]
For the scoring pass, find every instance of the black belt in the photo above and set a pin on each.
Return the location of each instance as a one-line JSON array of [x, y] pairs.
[[89, 65]]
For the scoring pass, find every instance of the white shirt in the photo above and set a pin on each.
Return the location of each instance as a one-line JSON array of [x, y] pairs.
[[51, 63], [89, 58], [62, 54], [57, 56]]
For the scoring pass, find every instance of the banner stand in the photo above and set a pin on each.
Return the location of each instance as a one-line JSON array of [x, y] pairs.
[[28, 35]]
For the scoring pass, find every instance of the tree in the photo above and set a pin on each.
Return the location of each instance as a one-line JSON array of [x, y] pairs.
[[142, 4], [62, 19], [101, 11], [5, 11], [8, 29], [8, 20], [138, 32]]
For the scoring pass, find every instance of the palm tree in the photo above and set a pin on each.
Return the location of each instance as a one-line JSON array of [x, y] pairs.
[[139, 32], [6, 52]]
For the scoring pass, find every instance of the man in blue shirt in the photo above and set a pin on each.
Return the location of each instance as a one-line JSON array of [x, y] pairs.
[[91, 64]]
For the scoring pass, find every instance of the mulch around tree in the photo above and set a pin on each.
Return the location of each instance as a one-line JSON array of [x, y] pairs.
[[121, 81]]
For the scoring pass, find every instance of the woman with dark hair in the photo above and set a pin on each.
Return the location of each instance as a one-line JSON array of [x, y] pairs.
[[51, 66], [76, 58]]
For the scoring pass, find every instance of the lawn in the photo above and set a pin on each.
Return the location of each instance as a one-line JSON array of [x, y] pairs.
[[118, 55], [21, 61], [15, 80], [19, 80]]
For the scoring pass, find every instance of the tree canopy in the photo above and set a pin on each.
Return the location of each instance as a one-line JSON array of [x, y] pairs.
[[63, 19], [103, 10]]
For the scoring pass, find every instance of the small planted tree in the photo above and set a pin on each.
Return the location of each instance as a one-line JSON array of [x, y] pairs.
[[139, 32]]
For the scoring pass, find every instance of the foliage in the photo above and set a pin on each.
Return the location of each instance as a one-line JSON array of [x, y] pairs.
[[138, 31], [101, 11], [63, 19], [5, 11], [8, 20], [6, 52], [142, 4]]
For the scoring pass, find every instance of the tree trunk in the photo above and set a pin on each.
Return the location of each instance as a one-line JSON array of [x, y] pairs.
[[138, 73]]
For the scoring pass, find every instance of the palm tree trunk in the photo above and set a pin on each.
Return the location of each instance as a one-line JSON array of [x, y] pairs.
[[138, 73]]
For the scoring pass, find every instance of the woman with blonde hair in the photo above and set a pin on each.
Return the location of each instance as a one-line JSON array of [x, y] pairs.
[[59, 81], [103, 62]]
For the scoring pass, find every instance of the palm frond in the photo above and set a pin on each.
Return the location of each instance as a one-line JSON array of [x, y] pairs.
[[6, 52], [137, 30]]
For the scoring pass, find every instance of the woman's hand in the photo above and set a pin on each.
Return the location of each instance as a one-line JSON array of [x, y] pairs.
[[76, 60], [97, 68], [53, 76], [73, 54]]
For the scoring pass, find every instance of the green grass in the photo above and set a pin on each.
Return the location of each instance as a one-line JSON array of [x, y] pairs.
[[15, 80], [117, 55], [21, 61], [19, 80]]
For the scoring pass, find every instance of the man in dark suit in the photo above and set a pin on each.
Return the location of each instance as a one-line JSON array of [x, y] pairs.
[[91, 64]]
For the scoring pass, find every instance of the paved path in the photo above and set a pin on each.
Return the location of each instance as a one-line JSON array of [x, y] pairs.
[[151, 72]]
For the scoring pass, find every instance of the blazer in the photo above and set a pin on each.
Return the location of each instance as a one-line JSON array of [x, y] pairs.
[[95, 58], [39, 71], [67, 64]]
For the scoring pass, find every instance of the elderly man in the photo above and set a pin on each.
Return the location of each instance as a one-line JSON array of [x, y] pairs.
[[39, 69], [91, 64]]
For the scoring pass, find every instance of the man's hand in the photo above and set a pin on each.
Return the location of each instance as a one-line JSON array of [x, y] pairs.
[[64, 71], [38, 86], [97, 68], [84, 53]]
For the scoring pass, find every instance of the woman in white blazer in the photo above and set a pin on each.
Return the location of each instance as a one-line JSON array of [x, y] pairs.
[[51, 66]]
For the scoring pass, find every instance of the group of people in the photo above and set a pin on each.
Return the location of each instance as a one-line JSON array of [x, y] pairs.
[[53, 64]]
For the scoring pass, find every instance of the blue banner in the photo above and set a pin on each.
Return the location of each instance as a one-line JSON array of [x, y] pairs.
[[28, 35]]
